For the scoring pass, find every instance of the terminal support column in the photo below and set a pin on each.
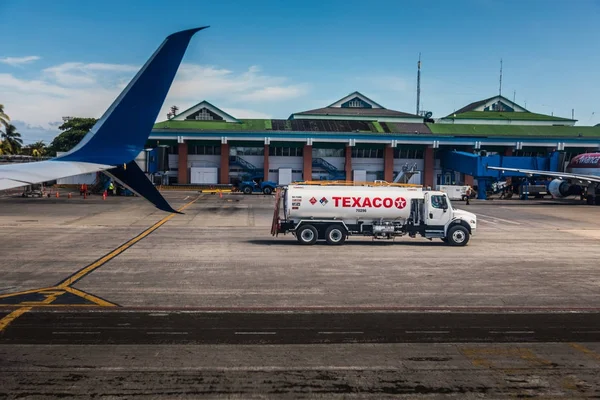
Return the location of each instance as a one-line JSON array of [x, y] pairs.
[[224, 175], [388, 163], [266, 163], [307, 165], [182, 163], [469, 180], [429, 163], [348, 163]]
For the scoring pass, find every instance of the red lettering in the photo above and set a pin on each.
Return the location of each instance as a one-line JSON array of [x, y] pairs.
[[356, 201], [346, 201], [367, 202], [337, 201], [377, 202], [387, 202]]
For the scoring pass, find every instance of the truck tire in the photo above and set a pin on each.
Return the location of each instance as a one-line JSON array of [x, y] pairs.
[[307, 234], [267, 190], [335, 234], [247, 190], [458, 235]]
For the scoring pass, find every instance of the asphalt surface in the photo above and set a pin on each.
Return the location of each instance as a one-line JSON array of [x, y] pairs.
[[109, 298], [243, 328]]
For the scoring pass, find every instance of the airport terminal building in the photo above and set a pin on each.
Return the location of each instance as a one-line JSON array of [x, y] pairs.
[[356, 138]]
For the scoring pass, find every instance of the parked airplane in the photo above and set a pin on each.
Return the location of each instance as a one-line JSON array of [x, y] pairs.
[[120, 135], [583, 172]]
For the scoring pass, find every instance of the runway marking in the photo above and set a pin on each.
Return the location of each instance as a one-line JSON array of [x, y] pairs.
[[499, 219], [579, 347], [4, 322], [103, 260], [255, 333], [444, 332], [341, 333], [63, 289], [167, 333]]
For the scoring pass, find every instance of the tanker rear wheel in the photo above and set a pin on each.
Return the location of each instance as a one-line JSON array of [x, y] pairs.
[[307, 234], [335, 235]]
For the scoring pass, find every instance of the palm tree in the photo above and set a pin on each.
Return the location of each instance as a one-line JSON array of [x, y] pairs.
[[11, 140], [4, 119], [36, 149]]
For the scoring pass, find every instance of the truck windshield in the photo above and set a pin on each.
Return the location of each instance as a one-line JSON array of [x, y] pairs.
[[440, 201]]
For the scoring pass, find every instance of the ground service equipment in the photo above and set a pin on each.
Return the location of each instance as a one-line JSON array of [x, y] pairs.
[[332, 213]]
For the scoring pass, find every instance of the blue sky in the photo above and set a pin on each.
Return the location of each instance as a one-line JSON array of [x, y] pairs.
[[271, 58]]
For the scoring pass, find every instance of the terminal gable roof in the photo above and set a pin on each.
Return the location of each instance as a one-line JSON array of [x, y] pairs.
[[500, 108], [494, 103], [204, 111], [355, 105], [357, 100]]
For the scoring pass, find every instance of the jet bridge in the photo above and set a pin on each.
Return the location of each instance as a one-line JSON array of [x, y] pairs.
[[476, 166]]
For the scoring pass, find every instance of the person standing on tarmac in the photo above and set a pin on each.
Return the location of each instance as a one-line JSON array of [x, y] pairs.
[[468, 195]]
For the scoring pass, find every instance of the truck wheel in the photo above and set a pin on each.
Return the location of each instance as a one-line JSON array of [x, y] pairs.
[[267, 190], [335, 235], [247, 190], [458, 235], [307, 234]]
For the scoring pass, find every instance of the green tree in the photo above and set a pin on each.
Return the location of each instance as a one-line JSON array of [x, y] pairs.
[[11, 140], [73, 131], [37, 149], [4, 119]]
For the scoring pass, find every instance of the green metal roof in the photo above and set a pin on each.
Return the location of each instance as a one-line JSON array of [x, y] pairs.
[[245, 125], [514, 130], [503, 115], [263, 125]]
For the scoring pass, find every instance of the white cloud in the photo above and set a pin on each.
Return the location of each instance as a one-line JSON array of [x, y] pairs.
[[14, 61], [79, 74], [87, 90]]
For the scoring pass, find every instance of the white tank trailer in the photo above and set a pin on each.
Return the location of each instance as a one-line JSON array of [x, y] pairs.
[[332, 213]]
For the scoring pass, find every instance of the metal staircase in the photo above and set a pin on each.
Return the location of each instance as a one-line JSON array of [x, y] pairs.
[[406, 173], [100, 183], [248, 168], [333, 172]]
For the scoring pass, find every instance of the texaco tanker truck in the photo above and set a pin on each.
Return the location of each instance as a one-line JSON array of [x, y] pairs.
[[332, 213]]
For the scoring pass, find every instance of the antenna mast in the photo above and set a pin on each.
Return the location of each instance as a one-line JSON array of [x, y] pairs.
[[500, 91], [418, 83]]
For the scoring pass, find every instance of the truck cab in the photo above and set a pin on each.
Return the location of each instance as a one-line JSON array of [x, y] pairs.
[[445, 222], [257, 186]]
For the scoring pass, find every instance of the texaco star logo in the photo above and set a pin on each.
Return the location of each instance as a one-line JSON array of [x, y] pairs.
[[400, 202]]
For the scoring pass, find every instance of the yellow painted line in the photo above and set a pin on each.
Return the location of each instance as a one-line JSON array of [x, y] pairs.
[[89, 297], [97, 264], [50, 295], [53, 292], [4, 322], [3, 296], [585, 350]]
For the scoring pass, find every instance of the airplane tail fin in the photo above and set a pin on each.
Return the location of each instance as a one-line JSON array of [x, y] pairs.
[[121, 133], [134, 178]]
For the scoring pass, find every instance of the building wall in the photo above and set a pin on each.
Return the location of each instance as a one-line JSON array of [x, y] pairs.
[[373, 166], [276, 162]]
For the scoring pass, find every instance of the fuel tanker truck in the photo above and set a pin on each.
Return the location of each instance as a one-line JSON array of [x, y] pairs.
[[332, 213]]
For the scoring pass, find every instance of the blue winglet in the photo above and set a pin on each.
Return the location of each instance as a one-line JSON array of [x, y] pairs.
[[120, 135]]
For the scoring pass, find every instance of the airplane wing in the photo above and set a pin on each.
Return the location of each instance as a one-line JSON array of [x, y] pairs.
[[120, 134], [561, 175]]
